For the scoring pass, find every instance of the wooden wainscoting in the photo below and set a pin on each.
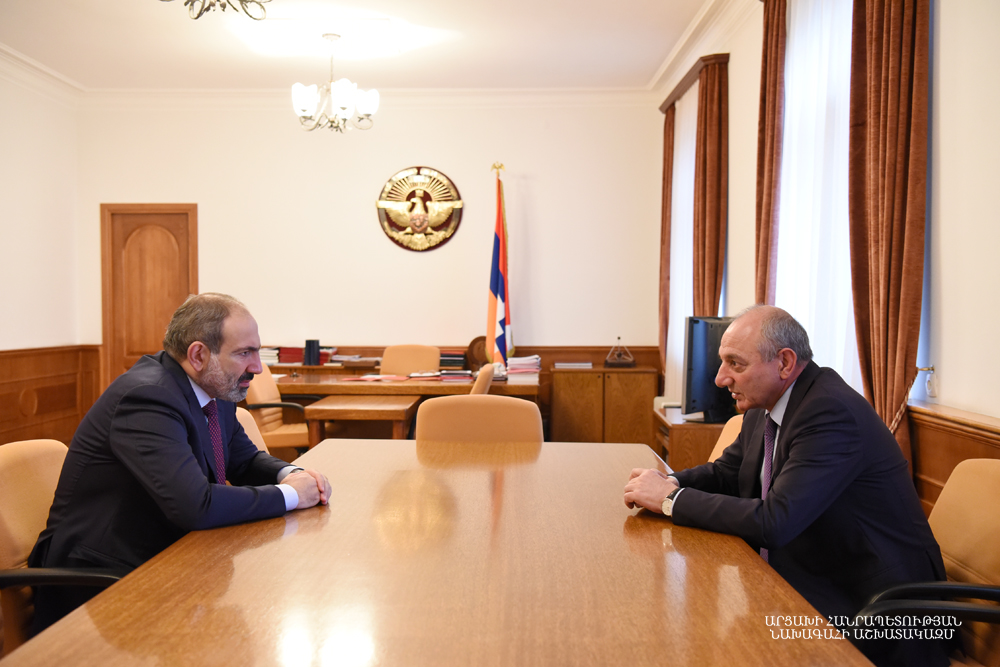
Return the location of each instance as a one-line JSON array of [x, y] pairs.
[[45, 392], [943, 437]]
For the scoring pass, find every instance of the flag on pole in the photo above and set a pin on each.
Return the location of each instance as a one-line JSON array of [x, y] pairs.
[[499, 340]]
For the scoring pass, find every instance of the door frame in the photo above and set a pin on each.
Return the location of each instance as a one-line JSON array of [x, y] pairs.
[[107, 279]]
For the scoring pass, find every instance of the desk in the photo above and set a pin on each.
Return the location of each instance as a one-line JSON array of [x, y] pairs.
[[685, 444], [448, 556], [324, 384], [397, 409]]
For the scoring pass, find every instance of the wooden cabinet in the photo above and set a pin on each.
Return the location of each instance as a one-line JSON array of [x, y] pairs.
[[603, 404], [684, 444]]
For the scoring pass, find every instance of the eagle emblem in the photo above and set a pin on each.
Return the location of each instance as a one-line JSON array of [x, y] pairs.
[[419, 208]]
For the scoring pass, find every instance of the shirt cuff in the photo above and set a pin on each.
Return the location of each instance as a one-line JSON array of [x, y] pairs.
[[291, 496], [286, 471]]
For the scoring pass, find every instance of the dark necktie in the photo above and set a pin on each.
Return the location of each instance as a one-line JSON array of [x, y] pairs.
[[770, 429], [211, 411]]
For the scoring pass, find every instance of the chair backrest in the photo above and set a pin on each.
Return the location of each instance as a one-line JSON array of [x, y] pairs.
[[250, 426], [727, 437], [263, 389], [29, 472], [406, 359], [483, 380], [478, 418], [966, 525]]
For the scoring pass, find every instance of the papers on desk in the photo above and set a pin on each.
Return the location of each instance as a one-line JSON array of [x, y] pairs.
[[375, 378], [531, 364], [573, 364], [429, 375]]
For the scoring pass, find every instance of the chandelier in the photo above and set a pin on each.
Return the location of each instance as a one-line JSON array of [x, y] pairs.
[[252, 8], [337, 105]]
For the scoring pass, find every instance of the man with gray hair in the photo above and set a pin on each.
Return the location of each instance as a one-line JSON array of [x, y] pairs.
[[814, 480], [150, 460]]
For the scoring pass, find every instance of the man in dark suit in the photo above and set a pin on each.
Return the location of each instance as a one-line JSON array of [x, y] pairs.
[[150, 460], [828, 500]]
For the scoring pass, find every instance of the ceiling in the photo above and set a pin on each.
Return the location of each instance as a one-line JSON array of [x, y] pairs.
[[387, 44]]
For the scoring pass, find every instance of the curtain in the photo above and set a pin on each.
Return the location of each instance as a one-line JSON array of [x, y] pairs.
[[668, 175], [769, 135], [711, 176], [813, 266], [887, 200]]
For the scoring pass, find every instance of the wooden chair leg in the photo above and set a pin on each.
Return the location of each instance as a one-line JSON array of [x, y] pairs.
[[317, 432]]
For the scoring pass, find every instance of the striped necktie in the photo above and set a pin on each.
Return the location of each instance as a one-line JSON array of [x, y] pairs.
[[770, 429], [211, 411]]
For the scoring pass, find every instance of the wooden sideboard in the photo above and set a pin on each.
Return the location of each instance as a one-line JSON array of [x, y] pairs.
[[603, 404], [683, 444]]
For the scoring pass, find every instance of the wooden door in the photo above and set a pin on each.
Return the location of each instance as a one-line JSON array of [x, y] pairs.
[[149, 265], [628, 400], [577, 406]]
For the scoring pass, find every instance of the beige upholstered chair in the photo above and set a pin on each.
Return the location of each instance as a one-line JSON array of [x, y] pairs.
[[29, 472], [483, 380], [406, 359], [250, 427], [966, 525], [478, 418], [265, 404], [728, 435]]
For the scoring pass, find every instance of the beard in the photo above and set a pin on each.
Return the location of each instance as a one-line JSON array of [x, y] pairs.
[[219, 384]]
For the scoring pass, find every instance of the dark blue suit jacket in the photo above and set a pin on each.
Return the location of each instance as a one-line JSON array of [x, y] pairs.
[[139, 474], [842, 520]]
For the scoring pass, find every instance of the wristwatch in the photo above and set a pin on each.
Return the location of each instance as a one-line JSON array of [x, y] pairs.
[[668, 503]]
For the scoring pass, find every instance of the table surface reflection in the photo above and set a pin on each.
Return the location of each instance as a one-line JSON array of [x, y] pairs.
[[448, 554]]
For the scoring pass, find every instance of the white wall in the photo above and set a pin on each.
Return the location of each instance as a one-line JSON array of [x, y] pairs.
[[38, 178], [744, 48], [964, 267], [287, 219]]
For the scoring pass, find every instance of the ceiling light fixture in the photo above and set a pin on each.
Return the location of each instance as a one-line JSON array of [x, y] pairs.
[[337, 105], [252, 8]]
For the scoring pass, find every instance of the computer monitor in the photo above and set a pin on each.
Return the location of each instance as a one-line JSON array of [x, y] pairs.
[[702, 336]]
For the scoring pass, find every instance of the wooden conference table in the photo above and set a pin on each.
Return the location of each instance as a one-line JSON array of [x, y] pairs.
[[448, 555], [327, 384]]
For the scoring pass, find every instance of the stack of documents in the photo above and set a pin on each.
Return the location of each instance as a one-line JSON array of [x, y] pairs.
[[573, 364], [532, 364], [269, 356]]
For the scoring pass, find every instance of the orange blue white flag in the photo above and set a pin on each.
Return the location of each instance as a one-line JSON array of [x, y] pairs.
[[499, 339]]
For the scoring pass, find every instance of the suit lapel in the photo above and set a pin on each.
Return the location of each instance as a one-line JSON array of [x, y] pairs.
[[753, 454], [802, 385], [201, 447]]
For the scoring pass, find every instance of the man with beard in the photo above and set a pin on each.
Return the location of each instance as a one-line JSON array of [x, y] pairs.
[[150, 460]]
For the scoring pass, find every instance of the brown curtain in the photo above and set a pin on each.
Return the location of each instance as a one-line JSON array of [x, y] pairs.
[[887, 199], [711, 189], [668, 175], [770, 125]]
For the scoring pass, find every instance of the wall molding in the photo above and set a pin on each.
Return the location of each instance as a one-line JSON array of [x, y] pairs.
[[714, 25]]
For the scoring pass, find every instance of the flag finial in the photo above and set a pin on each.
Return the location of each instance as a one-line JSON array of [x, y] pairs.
[[497, 166]]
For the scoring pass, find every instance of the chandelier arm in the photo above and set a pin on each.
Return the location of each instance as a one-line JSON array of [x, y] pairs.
[[258, 4], [363, 122]]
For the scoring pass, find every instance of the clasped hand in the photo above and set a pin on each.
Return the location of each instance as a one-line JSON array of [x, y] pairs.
[[647, 488], [312, 487]]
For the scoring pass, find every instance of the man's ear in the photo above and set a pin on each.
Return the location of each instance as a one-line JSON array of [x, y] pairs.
[[788, 360], [198, 355]]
